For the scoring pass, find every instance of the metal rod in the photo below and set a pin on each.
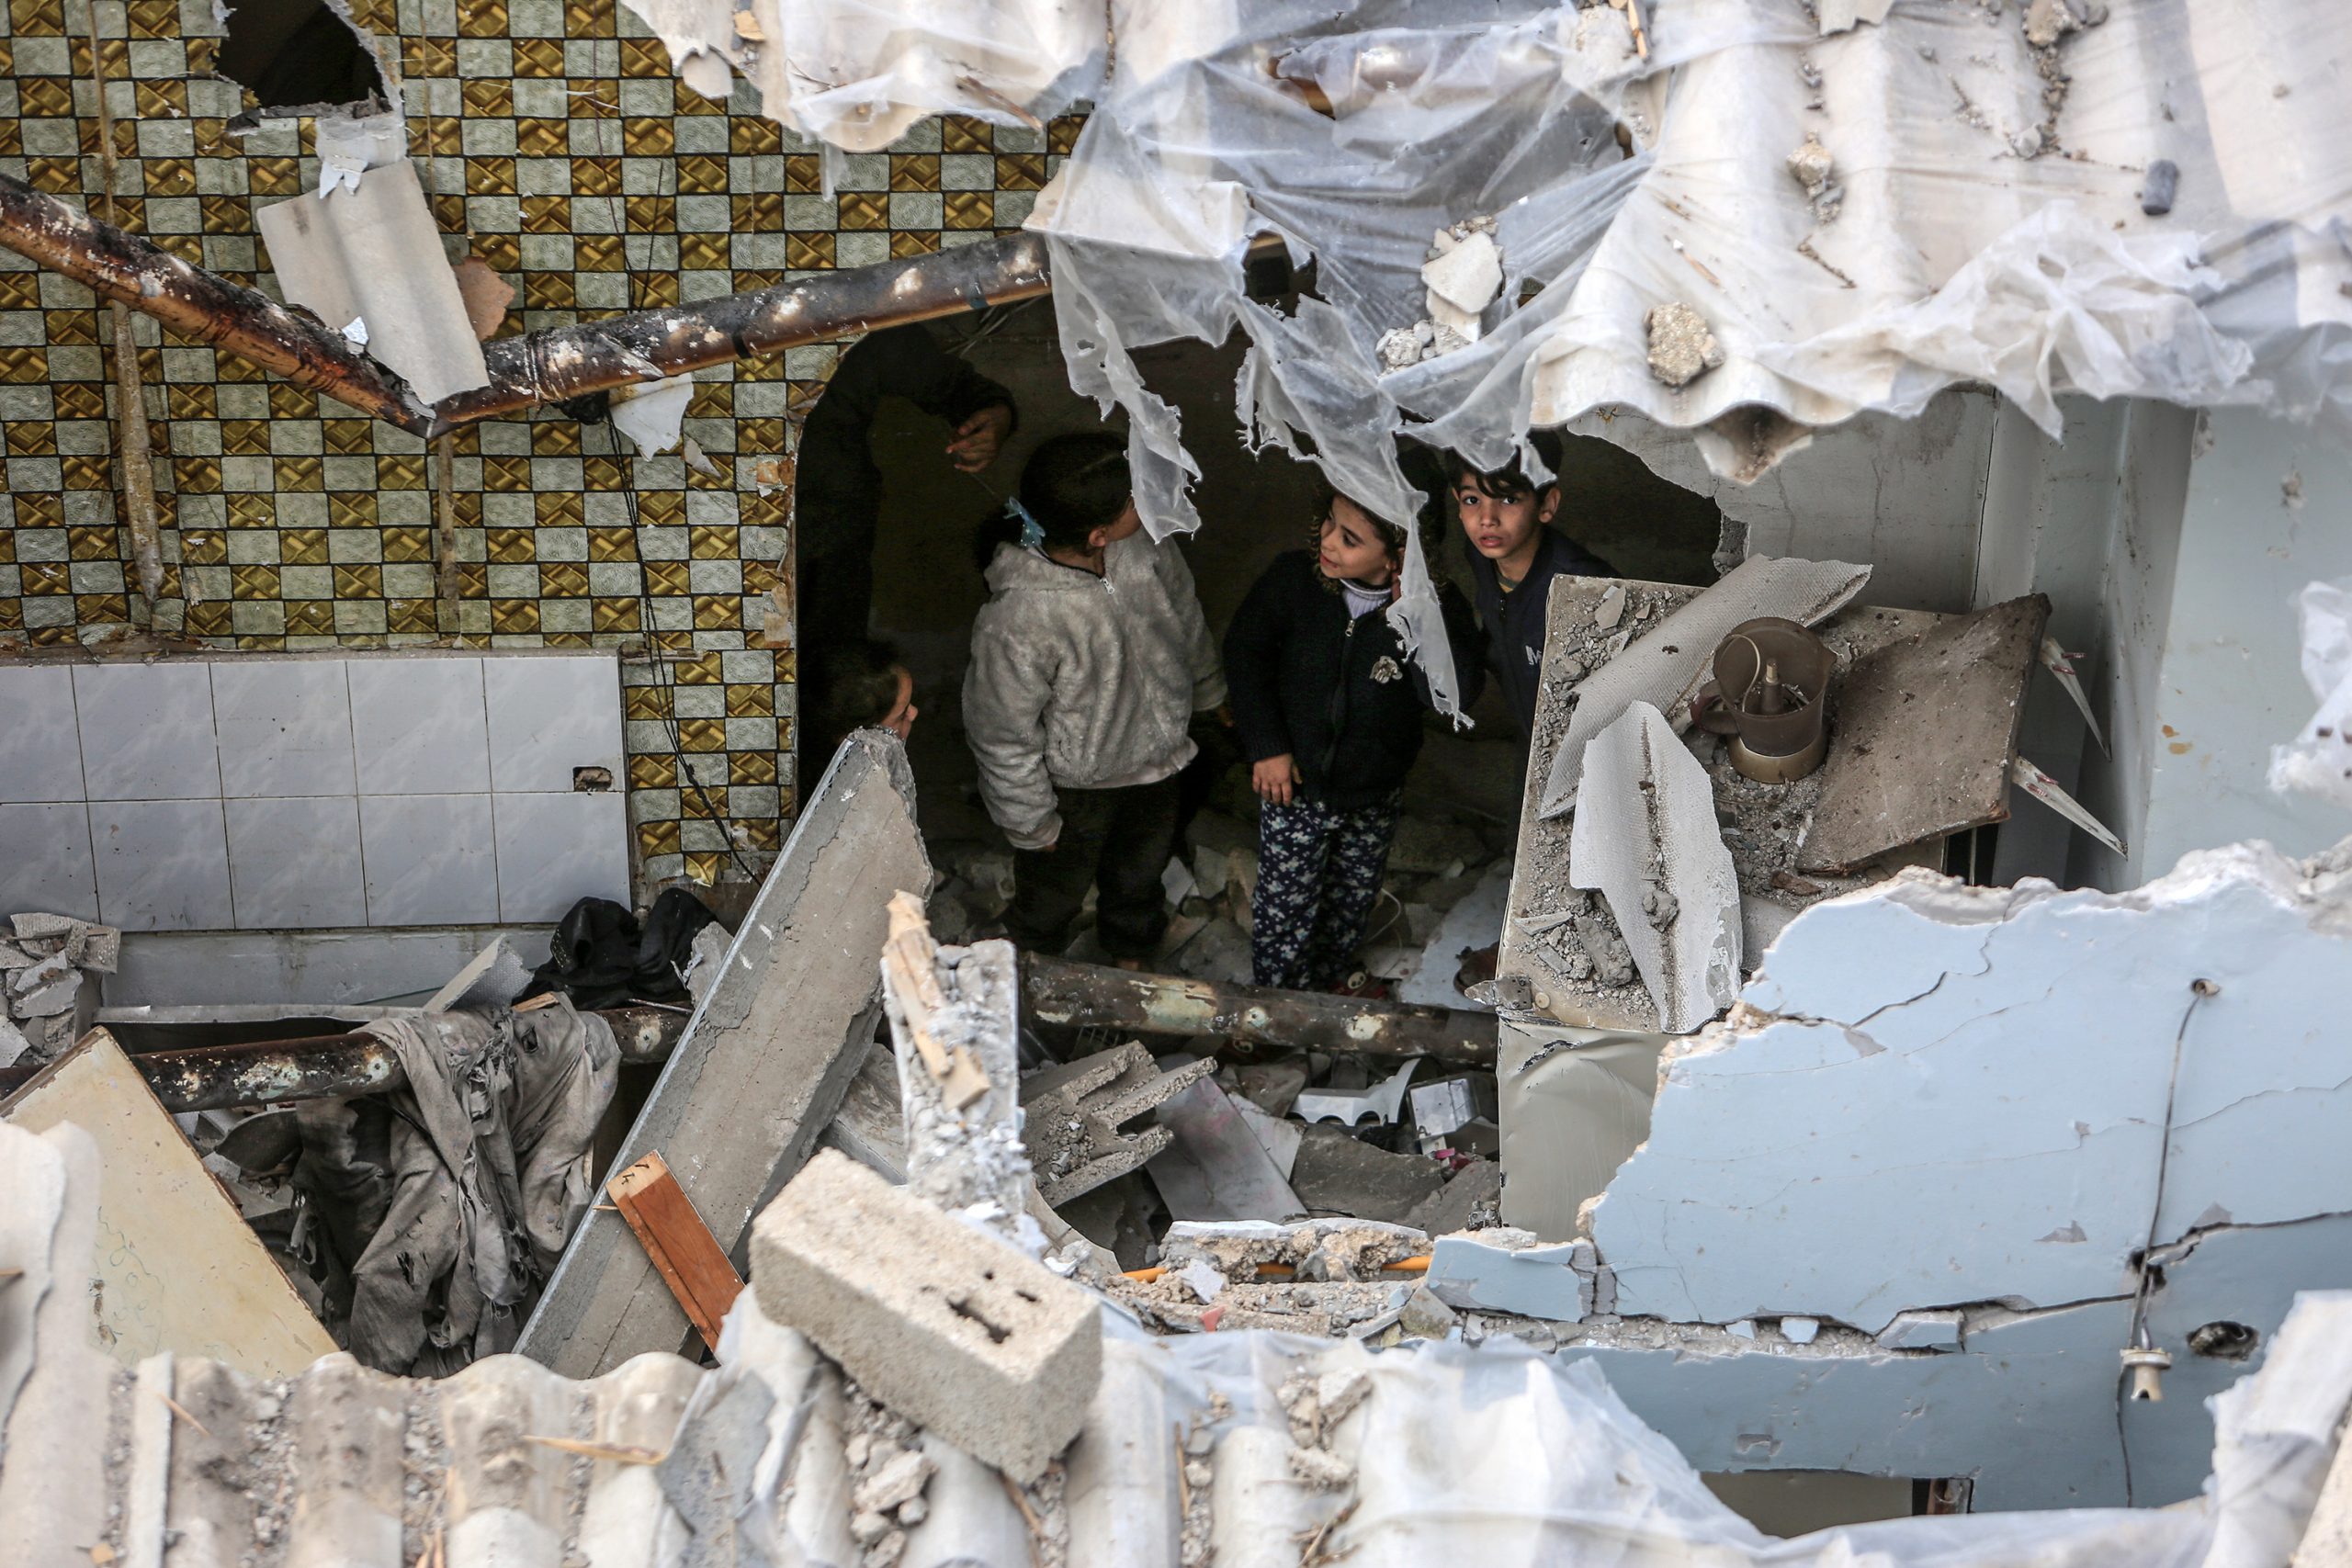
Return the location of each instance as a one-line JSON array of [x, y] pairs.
[[132, 439], [1055, 990], [199, 304], [328, 1066], [650, 346]]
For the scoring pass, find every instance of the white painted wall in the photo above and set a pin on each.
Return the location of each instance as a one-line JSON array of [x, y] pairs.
[[1905, 496], [2231, 685]]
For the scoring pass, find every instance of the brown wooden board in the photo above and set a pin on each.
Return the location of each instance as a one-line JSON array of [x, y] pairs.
[[680, 1244], [1921, 736]]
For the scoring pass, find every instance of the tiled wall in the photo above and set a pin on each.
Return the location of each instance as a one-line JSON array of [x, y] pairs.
[[561, 151], [270, 791]]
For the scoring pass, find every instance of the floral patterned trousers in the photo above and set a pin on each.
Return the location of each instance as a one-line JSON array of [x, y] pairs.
[[1318, 870]]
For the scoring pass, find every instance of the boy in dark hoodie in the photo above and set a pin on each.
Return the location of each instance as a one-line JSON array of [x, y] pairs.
[[1328, 707], [1515, 552]]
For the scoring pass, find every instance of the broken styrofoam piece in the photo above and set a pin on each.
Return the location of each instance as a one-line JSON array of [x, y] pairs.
[[1349, 1107], [2318, 761], [2061, 663], [2047, 790], [1666, 664], [1553, 1282], [373, 257], [1790, 1146], [1647, 838], [652, 414], [940, 1321]]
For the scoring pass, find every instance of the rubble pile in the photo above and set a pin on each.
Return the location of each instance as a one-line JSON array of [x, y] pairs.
[[45, 968]]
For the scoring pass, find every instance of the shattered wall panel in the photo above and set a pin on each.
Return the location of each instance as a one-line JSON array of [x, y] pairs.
[[543, 134], [2008, 1056]]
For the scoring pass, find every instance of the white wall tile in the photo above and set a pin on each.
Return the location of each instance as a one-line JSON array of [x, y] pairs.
[[418, 726], [45, 861], [41, 752], [163, 866], [430, 859], [550, 714], [554, 850], [147, 731], [284, 727], [295, 863]]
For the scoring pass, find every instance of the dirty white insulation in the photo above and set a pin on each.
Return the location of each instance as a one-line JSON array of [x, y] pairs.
[[1808, 214]]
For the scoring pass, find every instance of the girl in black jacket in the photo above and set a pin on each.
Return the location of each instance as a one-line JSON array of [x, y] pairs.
[[1329, 707]]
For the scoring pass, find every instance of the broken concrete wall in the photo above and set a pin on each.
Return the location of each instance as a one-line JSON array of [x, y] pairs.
[[2009, 1055]]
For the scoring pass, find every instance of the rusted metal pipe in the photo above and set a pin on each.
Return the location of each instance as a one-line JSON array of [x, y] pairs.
[[1055, 990], [329, 1067], [199, 304], [652, 345]]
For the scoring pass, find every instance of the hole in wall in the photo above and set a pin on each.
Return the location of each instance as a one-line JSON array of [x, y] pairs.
[[2225, 1341], [297, 56]]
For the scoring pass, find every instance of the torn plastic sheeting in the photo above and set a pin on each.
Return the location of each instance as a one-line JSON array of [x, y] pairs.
[[1964, 246], [2318, 761], [856, 73], [372, 254]]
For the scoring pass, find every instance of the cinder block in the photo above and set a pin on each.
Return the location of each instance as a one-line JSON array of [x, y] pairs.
[[945, 1325]]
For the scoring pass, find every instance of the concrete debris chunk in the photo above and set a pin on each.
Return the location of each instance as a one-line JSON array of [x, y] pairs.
[[491, 978], [1426, 1318], [894, 1485], [1646, 837], [1682, 347], [940, 1321], [1339, 1174], [1076, 1113]]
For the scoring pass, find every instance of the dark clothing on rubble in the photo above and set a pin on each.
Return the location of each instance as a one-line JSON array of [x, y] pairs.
[[443, 1207], [600, 957], [1333, 690], [1514, 619], [837, 495]]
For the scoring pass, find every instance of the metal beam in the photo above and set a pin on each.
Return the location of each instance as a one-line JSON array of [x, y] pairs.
[[328, 1066], [1055, 990], [650, 346], [201, 305]]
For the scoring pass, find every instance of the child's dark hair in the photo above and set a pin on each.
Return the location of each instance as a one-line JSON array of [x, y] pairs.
[[1391, 533], [854, 685], [1071, 485], [1510, 483]]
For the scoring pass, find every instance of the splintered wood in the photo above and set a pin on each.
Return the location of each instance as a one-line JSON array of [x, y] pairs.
[[911, 970]]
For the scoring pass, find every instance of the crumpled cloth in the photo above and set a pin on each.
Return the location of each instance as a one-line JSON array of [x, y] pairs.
[[601, 957], [450, 1200]]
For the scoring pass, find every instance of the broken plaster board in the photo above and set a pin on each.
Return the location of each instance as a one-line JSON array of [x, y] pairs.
[[176, 1268], [765, 1059], [2005, 1055], [1646, 824], [374, 254], [1663, 665], [1216, 1169]]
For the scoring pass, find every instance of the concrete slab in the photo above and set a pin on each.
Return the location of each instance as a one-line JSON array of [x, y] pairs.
[[765, 1060]]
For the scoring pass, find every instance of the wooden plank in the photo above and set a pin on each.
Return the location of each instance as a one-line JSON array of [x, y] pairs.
[[1921, 734], [678, 1242], [770, 1051], [177, 1266]]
